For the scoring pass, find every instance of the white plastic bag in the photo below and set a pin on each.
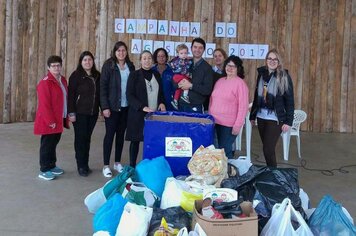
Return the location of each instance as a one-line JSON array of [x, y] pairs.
[[179, 193], [95, 200], [280, 221], [305, 199], [135, 220], [243, 164], [183, 232], [198, 231]]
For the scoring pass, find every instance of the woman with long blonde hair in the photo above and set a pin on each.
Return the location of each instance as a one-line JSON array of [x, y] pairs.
[[273, 104]]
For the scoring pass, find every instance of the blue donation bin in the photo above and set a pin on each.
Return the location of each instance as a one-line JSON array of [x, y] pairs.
[[176, 136]]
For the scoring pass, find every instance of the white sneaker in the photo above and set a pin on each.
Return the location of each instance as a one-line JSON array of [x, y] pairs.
[[107, 172], [118, 167]]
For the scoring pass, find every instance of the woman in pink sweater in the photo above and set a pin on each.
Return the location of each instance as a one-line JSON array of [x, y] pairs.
[[229, 104]]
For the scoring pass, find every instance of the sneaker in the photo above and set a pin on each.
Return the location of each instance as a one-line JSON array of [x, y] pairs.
[[48, 175], [185, 99], [118, 167], [174, 104], [57, 171], [107, 172]]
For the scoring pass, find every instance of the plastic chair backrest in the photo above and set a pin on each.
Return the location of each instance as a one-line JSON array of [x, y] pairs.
[[299, 117]]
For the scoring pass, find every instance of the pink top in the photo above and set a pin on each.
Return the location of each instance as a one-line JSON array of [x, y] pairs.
[[229, 102]]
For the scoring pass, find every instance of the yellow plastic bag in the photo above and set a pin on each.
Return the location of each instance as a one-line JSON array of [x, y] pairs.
[[188, 199], [165, 230]]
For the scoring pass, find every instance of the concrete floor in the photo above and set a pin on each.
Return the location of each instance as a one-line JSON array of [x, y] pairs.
[[31, 206]]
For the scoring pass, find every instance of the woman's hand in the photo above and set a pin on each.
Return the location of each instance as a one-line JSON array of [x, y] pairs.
[[72, 118], [106, 113], [147, 109], [253, 122], [285, 128], [162, 107], [235, 132]]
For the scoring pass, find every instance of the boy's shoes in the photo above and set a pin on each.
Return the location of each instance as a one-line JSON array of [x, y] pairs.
[[57, 171], [175, 104], [48, 175], [185, 98]]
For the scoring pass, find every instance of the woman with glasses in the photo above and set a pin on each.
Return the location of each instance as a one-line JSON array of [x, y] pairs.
[[51, 116], [273, 104], [144, 94], [114, 75], [229, 104]]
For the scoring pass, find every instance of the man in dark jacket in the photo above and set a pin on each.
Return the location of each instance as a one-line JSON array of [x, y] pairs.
[[201, 84]]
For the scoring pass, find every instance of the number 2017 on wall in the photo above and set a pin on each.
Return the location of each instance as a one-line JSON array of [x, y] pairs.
[[249, 51]]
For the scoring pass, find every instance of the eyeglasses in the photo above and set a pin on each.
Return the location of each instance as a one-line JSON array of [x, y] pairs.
[[230, 66], [56, 65], [272, 59]]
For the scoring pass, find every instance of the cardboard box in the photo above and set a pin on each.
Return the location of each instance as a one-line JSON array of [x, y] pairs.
[[225, 227]]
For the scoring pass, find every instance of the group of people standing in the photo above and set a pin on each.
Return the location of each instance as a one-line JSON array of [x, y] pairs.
[[126, 95]]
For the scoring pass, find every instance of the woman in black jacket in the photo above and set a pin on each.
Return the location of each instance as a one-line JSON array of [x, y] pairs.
[[273, 104], [114, 76], [145, 94], [83, 107]]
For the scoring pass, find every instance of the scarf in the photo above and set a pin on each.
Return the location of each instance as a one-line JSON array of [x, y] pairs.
[[267, 92]]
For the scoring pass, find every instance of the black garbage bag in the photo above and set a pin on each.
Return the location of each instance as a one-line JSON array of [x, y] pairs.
[[269, 186], [176, 217], [244, 184]]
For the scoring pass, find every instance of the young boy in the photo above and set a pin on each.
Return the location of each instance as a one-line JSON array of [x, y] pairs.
[[181, 69]]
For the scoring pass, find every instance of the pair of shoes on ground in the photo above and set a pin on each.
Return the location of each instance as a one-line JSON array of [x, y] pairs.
[[107, 172], [51, 174], [84, 171]]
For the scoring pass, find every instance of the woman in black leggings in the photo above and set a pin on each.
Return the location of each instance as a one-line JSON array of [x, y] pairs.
[[273, 104]]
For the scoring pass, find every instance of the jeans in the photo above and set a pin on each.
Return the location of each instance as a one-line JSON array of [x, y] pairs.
[[83, 129], [269, 131], [225, 139], [115, 124], [48, 146]]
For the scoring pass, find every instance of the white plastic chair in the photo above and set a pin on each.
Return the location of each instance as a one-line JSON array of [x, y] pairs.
[[299, 117], [238, 140]]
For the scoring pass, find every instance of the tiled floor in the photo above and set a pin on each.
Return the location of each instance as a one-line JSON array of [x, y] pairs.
[[30, 206]]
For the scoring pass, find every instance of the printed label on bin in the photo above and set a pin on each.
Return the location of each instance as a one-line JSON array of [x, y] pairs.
[[179, 147]]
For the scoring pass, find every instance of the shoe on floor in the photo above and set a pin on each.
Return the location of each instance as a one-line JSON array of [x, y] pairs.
[[83, 172], [48, 175], [107, 172], [118, 167], [57, 171]]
